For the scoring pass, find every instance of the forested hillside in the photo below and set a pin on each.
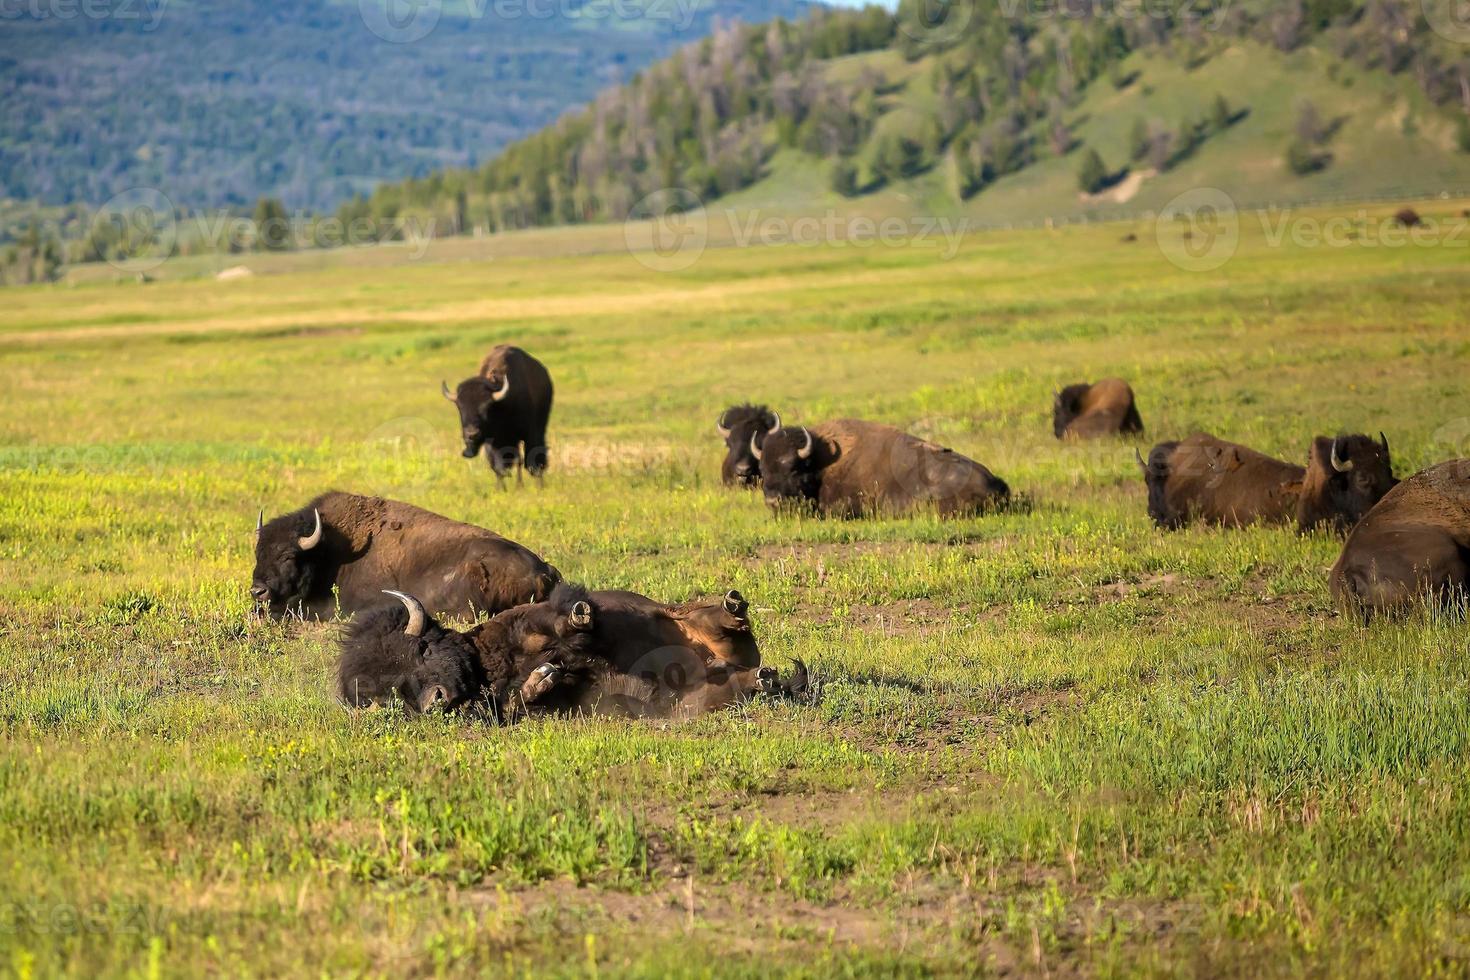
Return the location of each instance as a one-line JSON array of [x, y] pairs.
[[218, 102], [1073, 107]]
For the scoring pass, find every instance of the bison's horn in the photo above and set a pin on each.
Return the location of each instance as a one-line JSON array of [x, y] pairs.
[[775, 422], [1139, 456], [581, 616], [1337, 461], [260, 521], [315, 537], [444, 390], [805, 451], [724, 429], [754, 449], [1383, 441], [735, 603], [416, 615], [504, 389]]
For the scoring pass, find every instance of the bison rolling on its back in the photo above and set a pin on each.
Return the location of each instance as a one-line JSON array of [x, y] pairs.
[[363, 545], [851, 468], [1086, 411], [1208, 479], [505, 410], [576, 652], [1414, 544]]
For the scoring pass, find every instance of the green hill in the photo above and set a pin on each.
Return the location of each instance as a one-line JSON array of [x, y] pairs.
[[992, 113], [217, 102]]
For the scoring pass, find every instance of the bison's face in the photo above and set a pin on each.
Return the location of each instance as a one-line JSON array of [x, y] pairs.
[[476, 401], [286, 550], [788, 466], [400, 653], [741, 427], [1355, 471]]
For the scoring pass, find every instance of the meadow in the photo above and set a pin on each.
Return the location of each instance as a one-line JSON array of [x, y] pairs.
[[1050, 741]]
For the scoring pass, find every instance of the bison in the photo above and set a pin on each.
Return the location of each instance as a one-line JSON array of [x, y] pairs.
[[1208, 479], [851, 468], [359, 546], [504, 411], [1413, 545], [740, 427], [1086, 411], [579, 651]]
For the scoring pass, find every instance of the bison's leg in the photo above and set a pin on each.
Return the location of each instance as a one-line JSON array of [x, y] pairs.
[[542, 680], [536, 453], [500, 459]]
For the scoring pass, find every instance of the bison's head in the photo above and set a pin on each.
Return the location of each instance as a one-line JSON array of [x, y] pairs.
[[788, 466], [400, 653], [476, 400], [743, 427], [286, 565], [1346, 476], [1064, 407]]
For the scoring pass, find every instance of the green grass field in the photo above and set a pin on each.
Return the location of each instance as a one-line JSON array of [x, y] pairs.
[[1052, 741]]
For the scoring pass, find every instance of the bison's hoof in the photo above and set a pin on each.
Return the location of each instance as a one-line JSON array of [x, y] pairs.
[[542, 679]]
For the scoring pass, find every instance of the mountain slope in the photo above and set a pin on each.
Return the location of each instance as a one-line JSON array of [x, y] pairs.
[[997, 115], [215, 102]]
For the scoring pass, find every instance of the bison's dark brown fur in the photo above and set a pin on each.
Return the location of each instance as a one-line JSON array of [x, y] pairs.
[[368, 544], [1206, 479], [1086, 411], [1413, 545], [851, 468], [504, 410], [577, 652]]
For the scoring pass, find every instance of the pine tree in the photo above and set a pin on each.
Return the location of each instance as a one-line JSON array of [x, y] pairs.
[[1093, 175]]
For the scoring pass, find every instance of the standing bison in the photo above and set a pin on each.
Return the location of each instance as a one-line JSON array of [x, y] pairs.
[[614, 653], [360, 546], [1207, 479], [850, 468], [504, 411], [740, 427], [1087, 411], [1412, 546]]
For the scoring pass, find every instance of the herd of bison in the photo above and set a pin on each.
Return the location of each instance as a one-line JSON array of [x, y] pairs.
[[552, 647]]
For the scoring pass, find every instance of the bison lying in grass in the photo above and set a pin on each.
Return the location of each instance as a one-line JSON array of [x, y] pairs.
[[1208, 479], [850, 468], [1412, 546], [742, 427], [616, 653], [1087, 411], [363, 545]]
